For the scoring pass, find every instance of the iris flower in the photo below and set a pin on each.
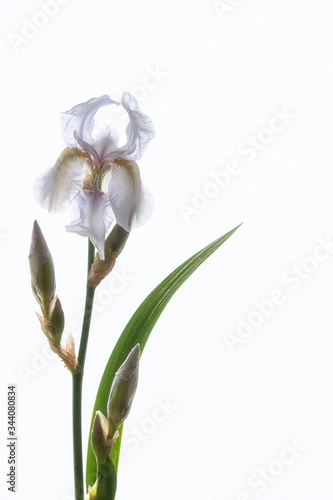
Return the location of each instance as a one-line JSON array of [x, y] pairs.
[[98, 178]]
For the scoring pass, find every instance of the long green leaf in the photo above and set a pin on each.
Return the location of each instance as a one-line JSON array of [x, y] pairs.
[[138, 330]]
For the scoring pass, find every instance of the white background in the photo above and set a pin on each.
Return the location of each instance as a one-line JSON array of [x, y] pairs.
[[211, 78]]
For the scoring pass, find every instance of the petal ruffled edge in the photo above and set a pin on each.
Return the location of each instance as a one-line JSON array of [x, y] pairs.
[[80, 120], [140, 131]]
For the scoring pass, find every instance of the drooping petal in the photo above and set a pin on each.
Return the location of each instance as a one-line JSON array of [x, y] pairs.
[[92, 217], [130, 201], [80, 119], [55, 189], [144, 208], [140, 131]]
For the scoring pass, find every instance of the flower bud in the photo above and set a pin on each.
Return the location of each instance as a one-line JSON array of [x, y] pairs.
[[102, 446], [99, 434], [114, 245], [53, 322], [122, 390], [44, 287], [41, 268]]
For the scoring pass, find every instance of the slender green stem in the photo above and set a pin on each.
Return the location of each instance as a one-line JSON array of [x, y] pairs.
[[77, 386], [77, 437]]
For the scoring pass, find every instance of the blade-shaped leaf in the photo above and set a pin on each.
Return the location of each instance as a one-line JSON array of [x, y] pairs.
[[138, 330]]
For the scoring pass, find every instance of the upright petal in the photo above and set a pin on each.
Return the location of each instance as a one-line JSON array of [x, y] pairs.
[[80, 119], [55, 189], [92, 217], [140, 131], [130, 201], [106, 142]]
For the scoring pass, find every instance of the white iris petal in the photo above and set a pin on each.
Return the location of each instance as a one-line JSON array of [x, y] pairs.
[[144, 207], [131, 203], [55, 189], [140, 130], [80, 119], [92, 217], [106, 141]]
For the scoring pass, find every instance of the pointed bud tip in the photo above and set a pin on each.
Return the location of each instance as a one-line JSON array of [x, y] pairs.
[[129, 366], [123, 390], [100, 429], [38, 242]]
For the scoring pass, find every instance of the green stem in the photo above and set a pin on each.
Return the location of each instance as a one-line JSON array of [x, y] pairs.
[[77, 437], [77, 386]]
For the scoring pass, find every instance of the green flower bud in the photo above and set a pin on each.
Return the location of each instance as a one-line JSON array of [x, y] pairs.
[[102, 446], [113, 247], [122, 390], [41, 269], [99, 435], [53, 322], [44, 287]]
